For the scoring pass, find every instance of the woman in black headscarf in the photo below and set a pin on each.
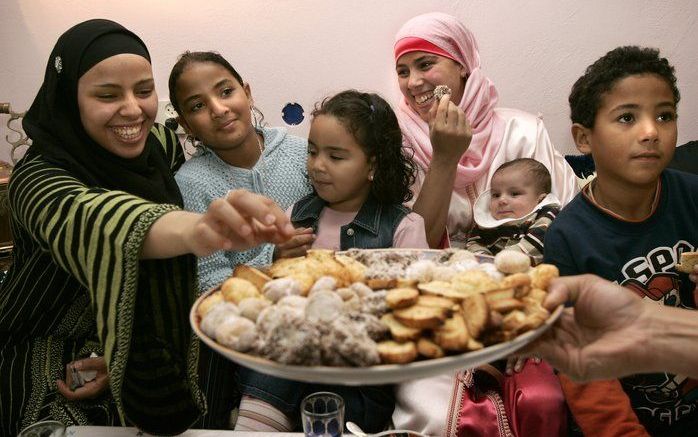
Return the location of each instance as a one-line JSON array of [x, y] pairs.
[[103, 256]]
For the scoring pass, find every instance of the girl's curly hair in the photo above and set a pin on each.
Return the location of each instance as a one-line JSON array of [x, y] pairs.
[[374, 126]]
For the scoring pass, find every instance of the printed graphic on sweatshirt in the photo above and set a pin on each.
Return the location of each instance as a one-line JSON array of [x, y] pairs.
[[664, 397]]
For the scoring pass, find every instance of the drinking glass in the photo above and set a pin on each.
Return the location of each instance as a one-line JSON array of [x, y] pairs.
[[322, 414], [47, 428]]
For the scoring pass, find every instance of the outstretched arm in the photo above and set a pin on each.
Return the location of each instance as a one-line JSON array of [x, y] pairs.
[[610, 332], [450, 135], [239, 221]]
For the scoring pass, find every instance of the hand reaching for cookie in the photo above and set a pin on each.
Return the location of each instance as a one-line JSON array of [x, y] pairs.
[[239, 221]]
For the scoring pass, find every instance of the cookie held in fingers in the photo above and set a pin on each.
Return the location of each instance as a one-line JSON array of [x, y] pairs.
[[440, 91], [392, 352], [687, 262]]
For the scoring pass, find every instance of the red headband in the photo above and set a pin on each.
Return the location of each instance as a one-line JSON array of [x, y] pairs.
[[415, 44]]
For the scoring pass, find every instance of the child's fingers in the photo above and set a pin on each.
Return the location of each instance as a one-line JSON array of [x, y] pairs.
[[94, 363]]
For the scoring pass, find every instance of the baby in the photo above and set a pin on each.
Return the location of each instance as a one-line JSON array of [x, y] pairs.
[[517, 210]]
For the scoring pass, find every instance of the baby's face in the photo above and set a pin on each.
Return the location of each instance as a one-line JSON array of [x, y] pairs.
[[514, 194]]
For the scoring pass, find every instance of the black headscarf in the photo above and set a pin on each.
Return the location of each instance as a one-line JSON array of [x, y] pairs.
[[53, 121]]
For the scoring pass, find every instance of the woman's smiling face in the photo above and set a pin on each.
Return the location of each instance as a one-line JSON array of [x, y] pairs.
[[118, 103], [418, 73]]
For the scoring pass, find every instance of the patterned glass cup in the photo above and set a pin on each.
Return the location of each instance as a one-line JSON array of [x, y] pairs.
[[47, 428], [322, 414]]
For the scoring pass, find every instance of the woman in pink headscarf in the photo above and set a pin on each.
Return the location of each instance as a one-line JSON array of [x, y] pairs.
[[458, 142], [461, 140]]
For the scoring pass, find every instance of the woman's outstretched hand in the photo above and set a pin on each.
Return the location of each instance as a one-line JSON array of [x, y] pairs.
[[449, 130], [601, 337], [239, 221]]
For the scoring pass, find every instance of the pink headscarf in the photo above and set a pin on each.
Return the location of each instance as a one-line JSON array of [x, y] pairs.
[[478, 102]]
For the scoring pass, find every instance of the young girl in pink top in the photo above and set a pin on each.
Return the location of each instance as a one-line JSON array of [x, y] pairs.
[[361, 177]]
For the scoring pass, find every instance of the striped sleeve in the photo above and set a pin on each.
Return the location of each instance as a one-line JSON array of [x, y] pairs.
[[170, 143], [531, 243], [474, 244], [141, 307]]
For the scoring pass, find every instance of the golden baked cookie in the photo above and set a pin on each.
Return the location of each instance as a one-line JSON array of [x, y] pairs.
[[428, 300], [542, 274], [255, 276], [473, 281], [441, 288], [236, 289], [208, 303], [355, 269], [401, 297], [453, 334], [429, 349], [687, 262], [392, 352], [420, 317], [398, 331], [476, 313]]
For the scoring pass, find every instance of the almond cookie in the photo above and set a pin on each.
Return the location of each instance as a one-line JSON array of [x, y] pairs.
[[401, 297], [542, 274], [420, 317], [398, 331], [453, 334], [236, 289], [687, 262], [392, 352], [255, 276], [429, 349]]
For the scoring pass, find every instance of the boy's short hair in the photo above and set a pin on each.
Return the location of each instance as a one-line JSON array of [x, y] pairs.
[[603, 74], [537, 171]]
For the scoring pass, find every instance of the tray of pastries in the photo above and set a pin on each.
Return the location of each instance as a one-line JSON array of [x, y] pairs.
[[375, 316]]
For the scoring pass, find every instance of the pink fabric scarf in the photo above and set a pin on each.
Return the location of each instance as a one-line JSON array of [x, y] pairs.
[[478, 102]]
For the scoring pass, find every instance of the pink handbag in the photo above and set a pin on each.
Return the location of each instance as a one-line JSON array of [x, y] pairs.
[[488, 403]]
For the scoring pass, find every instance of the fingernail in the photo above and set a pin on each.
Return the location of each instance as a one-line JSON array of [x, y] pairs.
[[269, 219], [245, 230]]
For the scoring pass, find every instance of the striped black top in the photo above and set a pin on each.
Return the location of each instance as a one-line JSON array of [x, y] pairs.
[[77, 286]]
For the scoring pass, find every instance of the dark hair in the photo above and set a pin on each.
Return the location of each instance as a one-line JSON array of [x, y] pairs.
[[539, 173], [187, 58], [600, 77], [374, 126]]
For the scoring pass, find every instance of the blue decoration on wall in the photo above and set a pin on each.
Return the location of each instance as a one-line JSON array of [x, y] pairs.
[[292, 113]]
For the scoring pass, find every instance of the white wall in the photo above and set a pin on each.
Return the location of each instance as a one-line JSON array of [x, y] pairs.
[[300, 51]]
